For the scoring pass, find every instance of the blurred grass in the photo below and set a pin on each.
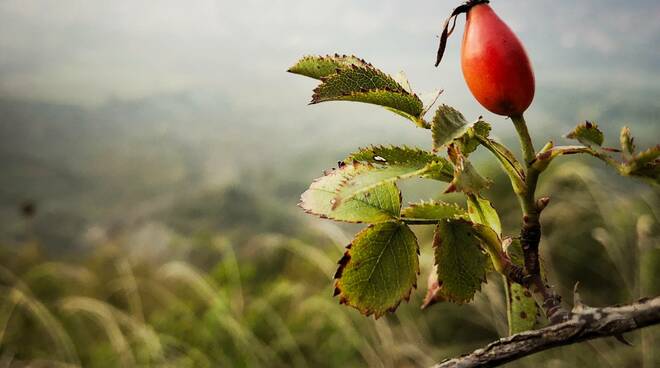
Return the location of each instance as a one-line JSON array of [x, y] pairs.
[[239, 277]]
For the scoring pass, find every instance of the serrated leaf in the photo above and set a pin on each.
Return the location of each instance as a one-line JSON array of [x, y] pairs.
[[403, 104], [522, 311], [587, 134], [369, 85], [467, 179], [468, 142], [481, 211], [318, 67], [627, 142], [362, 177], [448, 124], [354, 79], [381, 203], [460, 260], [375, 165], [392, 155], [432, 210], [379, 268]]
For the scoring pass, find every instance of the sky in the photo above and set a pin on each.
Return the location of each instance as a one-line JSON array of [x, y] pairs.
[[84, 52]]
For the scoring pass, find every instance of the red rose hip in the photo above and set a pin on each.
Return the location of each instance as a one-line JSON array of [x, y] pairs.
[[494, 62]]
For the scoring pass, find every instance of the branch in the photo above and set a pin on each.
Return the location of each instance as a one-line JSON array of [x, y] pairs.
[[585, 323]]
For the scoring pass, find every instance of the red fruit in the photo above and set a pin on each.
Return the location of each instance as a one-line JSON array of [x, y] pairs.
[[495, 64]]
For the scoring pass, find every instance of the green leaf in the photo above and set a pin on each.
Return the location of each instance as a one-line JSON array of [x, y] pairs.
[[432, 210], [355, 79], [645, 165], [467, 179], [393, 155], [460, 260], [381, 203], [481, 211], [522, 311], [369, 85], [587, 134], [379, 268], [627, 143], [647, 157], [468, 142], [403, 104], [507, 159], [377, 165], [318, 67], [448, 123]]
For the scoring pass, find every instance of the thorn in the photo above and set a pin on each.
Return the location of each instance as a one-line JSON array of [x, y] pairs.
[[622, 339], [577, 301]]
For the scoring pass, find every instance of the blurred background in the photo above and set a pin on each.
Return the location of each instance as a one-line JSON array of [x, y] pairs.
[[152, 154]]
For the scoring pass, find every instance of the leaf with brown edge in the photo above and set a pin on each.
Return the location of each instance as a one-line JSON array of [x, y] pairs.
[[380, 203], [460, 260], [379, 269], [433, 292], [587, 134]]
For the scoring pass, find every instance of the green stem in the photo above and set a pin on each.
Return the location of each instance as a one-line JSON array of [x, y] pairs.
[[525, 140]]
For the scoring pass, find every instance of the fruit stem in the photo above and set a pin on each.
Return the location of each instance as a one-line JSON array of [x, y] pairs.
[[525, 140]]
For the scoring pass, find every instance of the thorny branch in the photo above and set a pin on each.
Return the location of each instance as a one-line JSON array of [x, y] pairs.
[[583, 323]]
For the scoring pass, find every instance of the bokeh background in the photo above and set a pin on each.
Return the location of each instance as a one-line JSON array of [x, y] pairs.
[[152, 154]]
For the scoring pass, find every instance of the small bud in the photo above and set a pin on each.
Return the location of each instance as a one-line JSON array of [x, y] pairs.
[[541, 203]]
